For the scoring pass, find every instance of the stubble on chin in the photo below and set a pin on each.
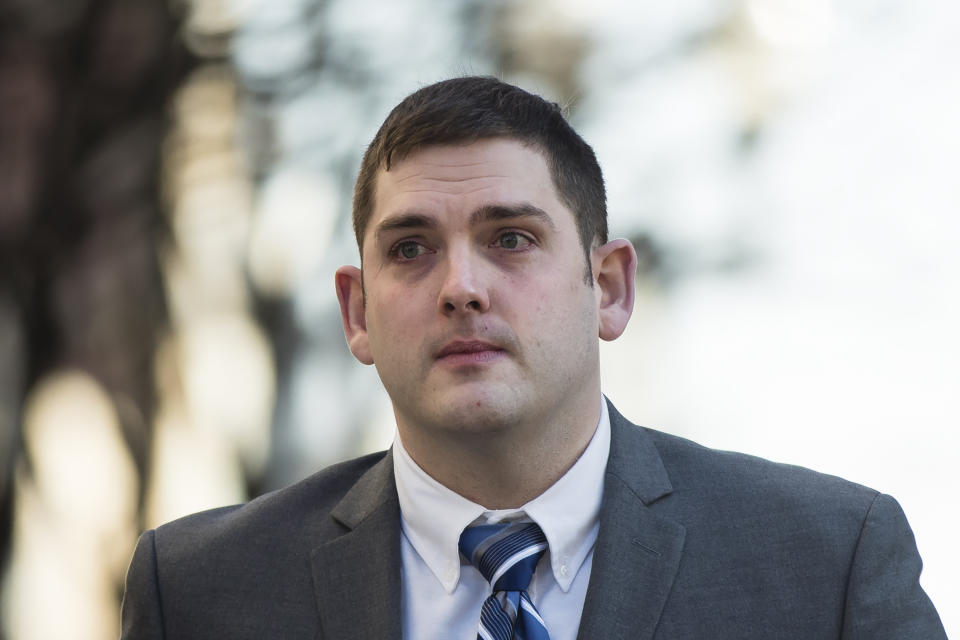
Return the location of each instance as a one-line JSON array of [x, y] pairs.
[[471, 414]]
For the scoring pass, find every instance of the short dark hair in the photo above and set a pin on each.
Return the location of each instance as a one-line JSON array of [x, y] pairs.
[[468, 109]]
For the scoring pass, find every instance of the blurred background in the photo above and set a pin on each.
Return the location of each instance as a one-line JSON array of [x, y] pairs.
[[175, 183]]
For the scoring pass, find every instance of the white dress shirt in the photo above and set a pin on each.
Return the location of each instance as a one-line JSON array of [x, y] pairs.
[[442, 593]]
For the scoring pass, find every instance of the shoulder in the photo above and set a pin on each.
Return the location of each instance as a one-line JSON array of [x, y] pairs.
[[274, 521], [741, 484], [694, 482], [251, 560], [767, 533], [693, 465]]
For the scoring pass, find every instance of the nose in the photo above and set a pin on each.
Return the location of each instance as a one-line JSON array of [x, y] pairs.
[[463, 289]]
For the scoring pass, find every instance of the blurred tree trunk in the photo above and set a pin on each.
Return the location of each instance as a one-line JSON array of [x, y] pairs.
[[84, 86]]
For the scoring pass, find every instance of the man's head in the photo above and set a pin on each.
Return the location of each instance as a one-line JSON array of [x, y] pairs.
[[472, 302], [465, 110]]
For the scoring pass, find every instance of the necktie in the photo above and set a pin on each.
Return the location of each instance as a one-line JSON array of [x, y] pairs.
[[506, 555]]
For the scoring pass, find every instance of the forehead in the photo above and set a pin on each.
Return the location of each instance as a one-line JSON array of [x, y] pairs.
[[456, 178]]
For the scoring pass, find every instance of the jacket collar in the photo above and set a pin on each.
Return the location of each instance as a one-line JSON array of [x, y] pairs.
[[638, 552], [356, 577]]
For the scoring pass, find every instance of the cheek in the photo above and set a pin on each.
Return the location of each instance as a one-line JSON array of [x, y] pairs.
[[394, 322], [547, 315]]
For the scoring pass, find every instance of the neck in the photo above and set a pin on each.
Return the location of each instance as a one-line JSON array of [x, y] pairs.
[[504, 468]]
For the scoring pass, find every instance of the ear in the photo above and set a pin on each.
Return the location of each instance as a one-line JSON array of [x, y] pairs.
[[614, 273], [349, 286]]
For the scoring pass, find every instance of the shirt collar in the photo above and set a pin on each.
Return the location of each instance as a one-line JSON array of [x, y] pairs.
[[433, 516]]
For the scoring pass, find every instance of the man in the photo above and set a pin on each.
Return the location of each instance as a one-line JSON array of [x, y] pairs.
[[517, 502]]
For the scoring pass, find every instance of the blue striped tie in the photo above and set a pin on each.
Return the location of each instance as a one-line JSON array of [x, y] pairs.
[[506, 555]]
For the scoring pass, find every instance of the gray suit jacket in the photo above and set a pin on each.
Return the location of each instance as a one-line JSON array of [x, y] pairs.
[[694, 543]]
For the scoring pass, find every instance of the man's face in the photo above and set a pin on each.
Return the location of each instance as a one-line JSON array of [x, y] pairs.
[[477, 314]]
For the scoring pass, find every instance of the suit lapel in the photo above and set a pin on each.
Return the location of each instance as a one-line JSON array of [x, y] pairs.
[[356, 576], [638, 552]]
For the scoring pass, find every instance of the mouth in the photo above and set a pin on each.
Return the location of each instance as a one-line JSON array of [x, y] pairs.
[[469, 352]]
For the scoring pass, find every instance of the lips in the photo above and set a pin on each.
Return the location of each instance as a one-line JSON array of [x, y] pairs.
[[467, 348]]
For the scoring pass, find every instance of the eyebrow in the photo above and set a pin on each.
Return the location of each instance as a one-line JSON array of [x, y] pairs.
[[404, 221], [495, 212], [486, 213]]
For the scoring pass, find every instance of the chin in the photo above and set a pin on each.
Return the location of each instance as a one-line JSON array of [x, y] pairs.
[[477, 413]]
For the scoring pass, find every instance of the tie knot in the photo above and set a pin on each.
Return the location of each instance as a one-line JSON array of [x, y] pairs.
[[506, 554]]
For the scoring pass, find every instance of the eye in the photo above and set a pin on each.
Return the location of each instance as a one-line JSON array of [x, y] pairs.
[[407, 250], [512, 240]]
